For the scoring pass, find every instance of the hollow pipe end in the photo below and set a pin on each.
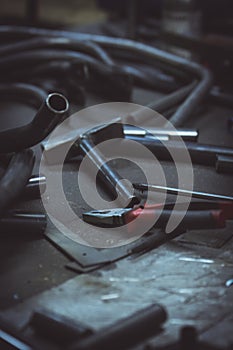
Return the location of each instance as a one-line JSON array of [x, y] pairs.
[[57, 103]]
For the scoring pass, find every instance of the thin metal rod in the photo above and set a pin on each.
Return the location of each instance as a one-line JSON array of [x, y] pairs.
[[182, 192]]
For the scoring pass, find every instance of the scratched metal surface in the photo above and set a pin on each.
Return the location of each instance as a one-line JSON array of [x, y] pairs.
[[188, 276], [190, 281]]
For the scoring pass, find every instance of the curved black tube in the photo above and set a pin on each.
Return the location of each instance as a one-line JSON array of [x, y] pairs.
[[37, 56], [15, 178], [50, 113], [27, 93], [167, 102], [20, 222], [89, 47], [35, 186], [142, 50]]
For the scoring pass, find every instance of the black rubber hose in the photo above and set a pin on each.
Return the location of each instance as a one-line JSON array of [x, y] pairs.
[[31, 58], [172, 99], [34, 188], [200, 153], [139, 49], [27, 93], [20, 222], [89, 48], [50, 113], [15, 178], [86, 47]]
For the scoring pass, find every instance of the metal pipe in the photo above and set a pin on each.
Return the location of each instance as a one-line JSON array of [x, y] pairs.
[[161, 134], [172, 99], [15, 178], [110, 178], [224, 164], [203, 75], [26, 93], [22, 222], [37, 55], [50, 113], [34, 188], [66, 44], [179, 191], [127, 332], [199, 153]]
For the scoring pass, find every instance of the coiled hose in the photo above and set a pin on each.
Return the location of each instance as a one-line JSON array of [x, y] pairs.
[[143, 51]]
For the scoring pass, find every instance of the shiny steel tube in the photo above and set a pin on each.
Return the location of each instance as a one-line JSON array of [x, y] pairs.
[[111, 179]]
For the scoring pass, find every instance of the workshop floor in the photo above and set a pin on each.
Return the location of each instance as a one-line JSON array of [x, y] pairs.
[[188, 276]]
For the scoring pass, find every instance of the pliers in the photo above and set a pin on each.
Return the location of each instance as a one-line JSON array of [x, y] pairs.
[[201, 215]]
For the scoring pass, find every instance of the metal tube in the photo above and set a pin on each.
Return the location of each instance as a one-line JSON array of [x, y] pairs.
[[185, 110], [182, 192], [60, 43], [199, 153], [26, 93], [38, 54], [161, 134], [35, 187], [15, 178], [172, 99], [50, 113], [224, 164], [127, 332], [110, 178], [21, 222]]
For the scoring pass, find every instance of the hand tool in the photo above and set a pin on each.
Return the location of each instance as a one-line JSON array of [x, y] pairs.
[[183, 192], [85, 146], [129, 131], [200, 153], [110, 178], [192, 220], [127, 332]]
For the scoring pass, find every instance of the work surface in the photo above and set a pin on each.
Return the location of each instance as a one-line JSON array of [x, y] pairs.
[[188, 276]]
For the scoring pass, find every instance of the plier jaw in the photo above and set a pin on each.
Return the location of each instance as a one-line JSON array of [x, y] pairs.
[[107, 217]]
